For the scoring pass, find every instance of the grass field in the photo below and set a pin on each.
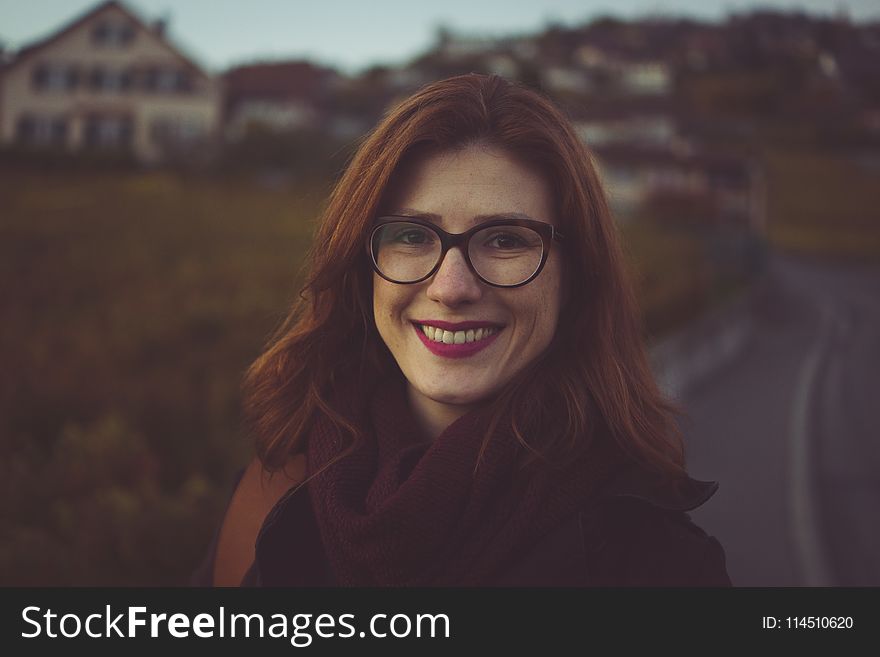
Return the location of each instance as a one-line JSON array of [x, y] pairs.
[[823, 204], [131, 305]]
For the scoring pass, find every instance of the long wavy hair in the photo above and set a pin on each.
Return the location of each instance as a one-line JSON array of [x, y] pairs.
[[593, 377]]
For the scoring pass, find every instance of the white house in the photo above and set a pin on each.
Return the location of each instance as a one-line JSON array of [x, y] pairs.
[[107, 80]]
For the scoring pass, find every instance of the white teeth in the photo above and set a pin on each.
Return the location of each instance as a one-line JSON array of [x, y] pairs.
[[456, 337]]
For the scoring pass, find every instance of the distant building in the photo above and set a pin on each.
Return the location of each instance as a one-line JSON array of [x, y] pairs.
[[651, 129], [646, 77], [561, 79], [637, 176], [278, 96], [107, 80], [626, 120]]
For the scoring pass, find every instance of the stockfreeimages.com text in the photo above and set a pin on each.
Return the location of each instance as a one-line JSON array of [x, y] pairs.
[[300, 629]]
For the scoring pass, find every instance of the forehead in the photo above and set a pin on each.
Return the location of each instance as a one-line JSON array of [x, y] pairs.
[[463, 186]]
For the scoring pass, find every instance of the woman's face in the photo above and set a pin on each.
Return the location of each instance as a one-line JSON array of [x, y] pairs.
[[457, 187]]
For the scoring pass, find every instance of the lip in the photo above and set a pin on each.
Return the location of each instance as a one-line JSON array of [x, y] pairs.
[[457, 326], [456, 350]]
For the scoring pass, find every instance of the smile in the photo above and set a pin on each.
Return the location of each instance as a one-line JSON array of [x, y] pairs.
[[456, 344], [457, 337]]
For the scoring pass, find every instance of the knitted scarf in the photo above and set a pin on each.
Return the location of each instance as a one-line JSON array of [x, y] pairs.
[[403, 511]]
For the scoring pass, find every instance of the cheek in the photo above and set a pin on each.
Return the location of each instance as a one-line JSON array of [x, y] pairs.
[[388, 301], [537, 317], [548, 303]]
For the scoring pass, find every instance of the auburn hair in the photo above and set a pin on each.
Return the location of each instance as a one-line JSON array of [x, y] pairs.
[[593, 377]]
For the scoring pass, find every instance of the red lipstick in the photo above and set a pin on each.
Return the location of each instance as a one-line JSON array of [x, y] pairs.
[[456, 350]]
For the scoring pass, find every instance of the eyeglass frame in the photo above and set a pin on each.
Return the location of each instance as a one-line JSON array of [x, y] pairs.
[[546, 231]]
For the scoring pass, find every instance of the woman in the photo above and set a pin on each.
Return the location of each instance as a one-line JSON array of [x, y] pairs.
[[461, 395]]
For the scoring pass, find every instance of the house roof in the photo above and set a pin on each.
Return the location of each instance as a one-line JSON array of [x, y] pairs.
[[36, 47], [277, 80]]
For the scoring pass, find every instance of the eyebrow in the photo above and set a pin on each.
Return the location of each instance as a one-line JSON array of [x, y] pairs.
[[436, 218]]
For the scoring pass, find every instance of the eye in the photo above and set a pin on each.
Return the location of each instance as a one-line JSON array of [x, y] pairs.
[[506, 240], [412, 235]]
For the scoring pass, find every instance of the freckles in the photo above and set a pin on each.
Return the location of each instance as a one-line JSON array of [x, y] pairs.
[[546, 316], [537, 306]]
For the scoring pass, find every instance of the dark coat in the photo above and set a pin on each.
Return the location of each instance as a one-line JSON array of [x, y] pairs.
[[637, 534]]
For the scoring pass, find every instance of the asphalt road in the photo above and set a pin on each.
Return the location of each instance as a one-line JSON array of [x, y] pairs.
[[791, 430]]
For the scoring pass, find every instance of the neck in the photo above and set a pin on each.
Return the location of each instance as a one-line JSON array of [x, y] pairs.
[[432, 416]]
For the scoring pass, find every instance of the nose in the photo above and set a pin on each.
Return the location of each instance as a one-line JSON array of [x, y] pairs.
[[454, 283]]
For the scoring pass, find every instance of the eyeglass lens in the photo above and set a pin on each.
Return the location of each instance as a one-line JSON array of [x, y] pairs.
[[503, 255]]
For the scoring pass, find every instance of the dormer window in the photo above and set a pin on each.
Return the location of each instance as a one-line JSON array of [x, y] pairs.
[[113, 34]]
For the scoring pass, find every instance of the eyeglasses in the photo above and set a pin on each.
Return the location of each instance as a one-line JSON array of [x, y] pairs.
[[501, 252]]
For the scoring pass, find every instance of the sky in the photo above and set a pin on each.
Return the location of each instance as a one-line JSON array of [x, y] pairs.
[[352, 35]]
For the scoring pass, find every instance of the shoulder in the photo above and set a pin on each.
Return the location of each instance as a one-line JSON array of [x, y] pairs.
[[253, 499], [640, 533], [636, 533], [634, 542]]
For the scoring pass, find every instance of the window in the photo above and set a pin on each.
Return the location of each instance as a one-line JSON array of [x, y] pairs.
[[109, 80], [108, 131], [40, 130], [113, 34], [55, 77]]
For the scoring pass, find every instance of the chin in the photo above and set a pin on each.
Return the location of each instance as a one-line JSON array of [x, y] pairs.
[[448, 395], [445, 397]]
